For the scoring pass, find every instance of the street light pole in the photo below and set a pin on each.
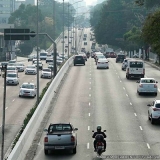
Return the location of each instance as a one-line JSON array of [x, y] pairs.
[[63, 33], [37, 57], [68, 29]]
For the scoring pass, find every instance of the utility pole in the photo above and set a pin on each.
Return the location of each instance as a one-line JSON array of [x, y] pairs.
[[63, 33], [68, 29]]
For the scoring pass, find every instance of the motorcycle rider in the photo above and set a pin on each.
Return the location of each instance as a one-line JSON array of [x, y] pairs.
[[99, 128]]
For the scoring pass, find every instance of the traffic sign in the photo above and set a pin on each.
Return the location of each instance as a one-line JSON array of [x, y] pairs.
[[20, 36]]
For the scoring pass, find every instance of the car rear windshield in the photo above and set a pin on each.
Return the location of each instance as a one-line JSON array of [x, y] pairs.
[[157, 105], [43, 54], [28, 86], [47, 70], [148, 81], [60, 127], [12, 75], [136, 64], [78, 57], [121, 56]]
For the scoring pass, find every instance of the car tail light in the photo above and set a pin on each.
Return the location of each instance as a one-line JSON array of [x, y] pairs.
[[155, 85], [72, 139], [144, 71], [141, 85], [155, 109], [106, 62], [45, 139]]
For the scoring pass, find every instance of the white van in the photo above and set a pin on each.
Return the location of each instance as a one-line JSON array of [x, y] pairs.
[[135, 69], [43, 55]]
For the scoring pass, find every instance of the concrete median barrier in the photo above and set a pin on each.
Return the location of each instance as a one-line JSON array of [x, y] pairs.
[[25, 141]]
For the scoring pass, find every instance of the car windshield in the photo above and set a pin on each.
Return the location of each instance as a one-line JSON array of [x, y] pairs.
[[148, 81], [20, 64], [136, 64], [30, 66], [60, 127], [47, 70], [35, 62], [43, 54], [11, 68], [121, 56], [11, 75], [28, 86], [101, 56], [157, 105]]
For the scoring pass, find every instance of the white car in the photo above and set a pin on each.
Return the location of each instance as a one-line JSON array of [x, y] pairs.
[[147, 85], [39, 63], [20, 67], [31, 69], [12, 78], [102, 63], [99, 57], [125, 63], [154, 111], [12, 69], [46, 73], [28, 90]]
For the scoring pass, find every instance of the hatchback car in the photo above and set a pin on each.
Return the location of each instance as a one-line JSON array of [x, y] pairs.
[[125, 63], [12, 69], [147, 85], [12, 79], [102, 63], [154, 111], [31, 69], [120, 57], [39, 63], [28, 90], [46, 73], [78, 59]]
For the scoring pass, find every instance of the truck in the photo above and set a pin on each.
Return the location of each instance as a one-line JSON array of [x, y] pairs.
[[60, 136]]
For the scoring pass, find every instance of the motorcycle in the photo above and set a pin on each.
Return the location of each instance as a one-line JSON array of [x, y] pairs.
[[99, 144]]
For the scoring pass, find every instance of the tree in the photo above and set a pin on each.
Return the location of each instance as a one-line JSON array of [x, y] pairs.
[[151, 32], [148, 3]]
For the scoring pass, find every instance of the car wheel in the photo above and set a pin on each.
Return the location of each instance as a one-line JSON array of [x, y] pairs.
[[84, 64], [155, 94], [152, 120], [108, 67], [75, 150], [20, 96], [45, 151], [75, 64], [97, 67], [149, 116], [139, 93], [122, 69]]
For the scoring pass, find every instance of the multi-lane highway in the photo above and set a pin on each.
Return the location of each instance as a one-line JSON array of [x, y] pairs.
[[89, 97], [17, 108]]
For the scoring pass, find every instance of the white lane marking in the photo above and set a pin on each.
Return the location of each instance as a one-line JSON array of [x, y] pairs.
[[90, 78], [130, 103], [13, 100], [118, 76], [135, 114], [88, 127], [120, 81], [158, 90], [32, 80], [148, 146], [0, 125], [140, 128], [116, 73], [89, 88], [90, 82], [127, 95], [39, 144], [90, 74], [123, 88], [89, 114], [87, 145], [90, 95], [89, 103], [6, 108]]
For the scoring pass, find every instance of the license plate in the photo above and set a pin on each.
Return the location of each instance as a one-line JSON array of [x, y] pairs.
[[99, 147], [79, 59], [59, 147]]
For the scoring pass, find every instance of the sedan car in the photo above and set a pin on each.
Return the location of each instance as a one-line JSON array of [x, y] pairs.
[[12, 69], [20, 67], [154, 111], [51, 66], [39, 63], [28, 90], [46, 73], [49, 59], [102, 63], [31, 69], [147, 85], [12, 79]]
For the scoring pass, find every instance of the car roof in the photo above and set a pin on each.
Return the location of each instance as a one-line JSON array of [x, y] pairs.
[[102, 59], [147, 78], [28, 83]]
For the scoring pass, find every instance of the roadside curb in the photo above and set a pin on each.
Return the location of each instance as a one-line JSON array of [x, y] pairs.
[[153, 65]]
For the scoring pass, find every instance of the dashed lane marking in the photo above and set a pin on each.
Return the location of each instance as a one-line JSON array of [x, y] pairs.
[[135, 114], [6, 108], [127, 95], [89, 103], [123, 88], [90, 95], [140, 128], [130, 103], [87, 145], [88, 128], [89, 114], [148, 146]]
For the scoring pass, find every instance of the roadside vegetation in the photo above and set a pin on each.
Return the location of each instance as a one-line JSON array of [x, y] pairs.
[[128, 24]]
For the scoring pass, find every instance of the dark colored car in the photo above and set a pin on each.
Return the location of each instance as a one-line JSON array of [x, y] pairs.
[[78, 59], [112, 55], [120, 57]]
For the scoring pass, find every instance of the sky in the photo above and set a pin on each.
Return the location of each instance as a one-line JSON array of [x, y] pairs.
[[89, 2]]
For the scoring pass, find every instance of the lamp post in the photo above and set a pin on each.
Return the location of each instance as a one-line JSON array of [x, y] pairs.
[[63, 33]]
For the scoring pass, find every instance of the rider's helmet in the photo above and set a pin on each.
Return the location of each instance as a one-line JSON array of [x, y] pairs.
[[99, 128]]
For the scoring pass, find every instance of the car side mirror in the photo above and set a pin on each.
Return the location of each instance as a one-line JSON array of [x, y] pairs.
[[156, 81], [93, 131], [76, 129], [45, 130], [138, 82], [148, 104], [104, 131]]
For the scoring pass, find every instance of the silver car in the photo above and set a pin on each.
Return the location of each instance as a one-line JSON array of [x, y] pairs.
[[147, 85], [31, 69], [28, 90], [46, 73], [154, 111], [12, 78], [20, 67]]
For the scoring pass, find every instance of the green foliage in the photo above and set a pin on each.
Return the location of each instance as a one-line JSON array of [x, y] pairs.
[[148, 3], [151, 31]]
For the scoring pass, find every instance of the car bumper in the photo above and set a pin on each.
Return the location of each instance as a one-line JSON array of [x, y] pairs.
[[102, 66], [59, 147], [46, 76], [12, 82]]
